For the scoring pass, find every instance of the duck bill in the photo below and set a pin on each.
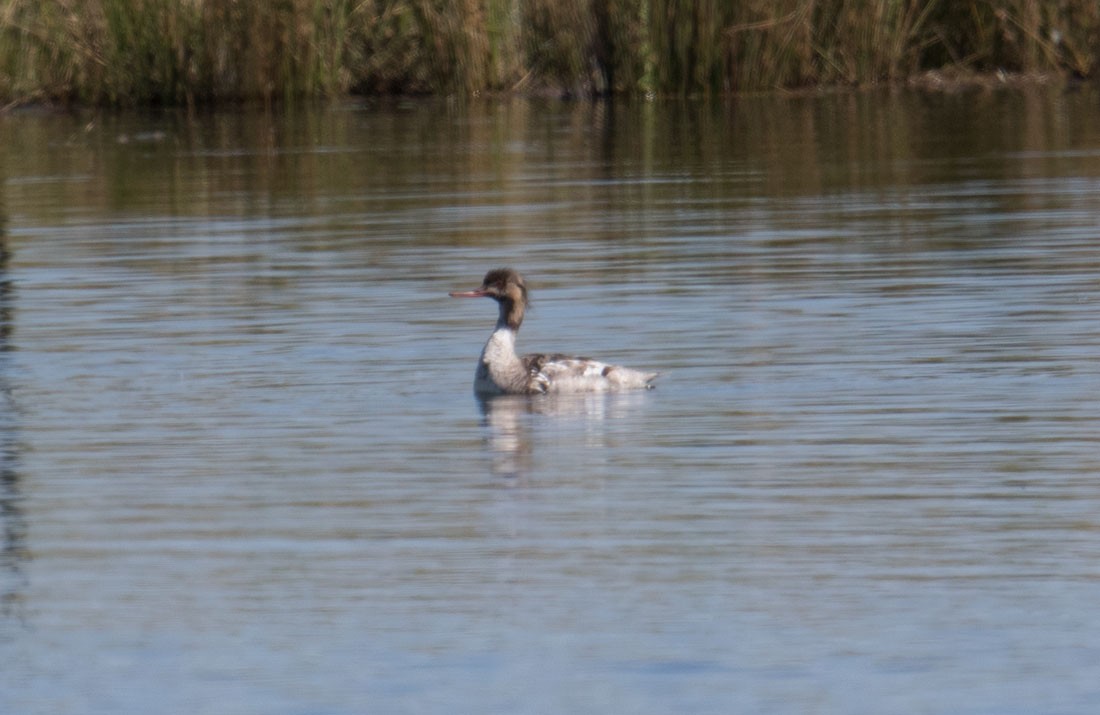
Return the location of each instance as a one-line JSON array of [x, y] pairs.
[[479, 293]]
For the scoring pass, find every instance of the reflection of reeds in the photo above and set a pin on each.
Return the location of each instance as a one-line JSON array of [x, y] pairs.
[[176, 51]]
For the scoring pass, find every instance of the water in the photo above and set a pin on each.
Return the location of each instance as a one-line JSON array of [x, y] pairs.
[[243, 470]]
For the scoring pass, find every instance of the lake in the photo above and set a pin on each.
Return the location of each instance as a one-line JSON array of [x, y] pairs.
[[242, 468]]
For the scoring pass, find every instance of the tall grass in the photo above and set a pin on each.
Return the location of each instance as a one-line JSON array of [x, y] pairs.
[[187, 51]]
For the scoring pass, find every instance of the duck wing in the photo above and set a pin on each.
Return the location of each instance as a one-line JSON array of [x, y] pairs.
[[566, 373]]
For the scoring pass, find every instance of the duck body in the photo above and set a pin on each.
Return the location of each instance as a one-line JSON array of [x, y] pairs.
[[500, 371]]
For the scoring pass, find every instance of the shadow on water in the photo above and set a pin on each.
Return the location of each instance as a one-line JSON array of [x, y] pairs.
[[515, 424], [13, 529]]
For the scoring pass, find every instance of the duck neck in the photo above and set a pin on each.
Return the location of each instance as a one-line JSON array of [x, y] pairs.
[[511, 315], [501, 348], [500, 366]]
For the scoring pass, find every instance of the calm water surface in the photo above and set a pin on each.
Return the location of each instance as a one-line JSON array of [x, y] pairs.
[[243, 470]]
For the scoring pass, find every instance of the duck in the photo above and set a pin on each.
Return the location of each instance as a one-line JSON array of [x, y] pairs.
[[500, 371]]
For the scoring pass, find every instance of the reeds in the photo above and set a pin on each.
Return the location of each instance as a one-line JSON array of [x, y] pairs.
[[188, 51]]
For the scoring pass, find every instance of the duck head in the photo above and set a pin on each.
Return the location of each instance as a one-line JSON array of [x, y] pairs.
[[507, 287]]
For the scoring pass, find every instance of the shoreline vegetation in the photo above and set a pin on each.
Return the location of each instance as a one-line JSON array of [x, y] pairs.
[[189, 52]]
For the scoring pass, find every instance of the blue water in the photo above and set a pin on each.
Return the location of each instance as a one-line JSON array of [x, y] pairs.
[[243, 470]]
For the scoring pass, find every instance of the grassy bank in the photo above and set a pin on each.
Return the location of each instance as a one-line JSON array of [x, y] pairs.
[[194, 51]]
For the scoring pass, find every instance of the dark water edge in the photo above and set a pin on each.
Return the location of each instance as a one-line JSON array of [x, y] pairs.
[[946, 80]]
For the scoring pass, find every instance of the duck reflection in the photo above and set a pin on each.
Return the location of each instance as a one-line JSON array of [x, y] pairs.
[[506, 435], [513, 423]]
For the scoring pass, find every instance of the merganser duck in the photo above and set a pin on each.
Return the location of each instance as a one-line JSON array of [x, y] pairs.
[[501, 372]]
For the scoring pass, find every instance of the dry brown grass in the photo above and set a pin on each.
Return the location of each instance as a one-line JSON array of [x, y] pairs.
[[190, 51]]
